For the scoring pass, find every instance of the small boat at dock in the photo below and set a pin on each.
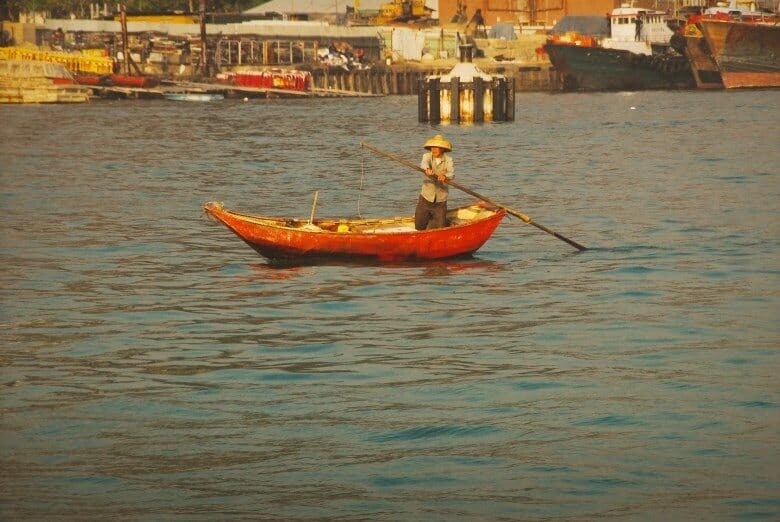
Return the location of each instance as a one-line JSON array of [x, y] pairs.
[[194, 96], [117, 80], [378, 239]]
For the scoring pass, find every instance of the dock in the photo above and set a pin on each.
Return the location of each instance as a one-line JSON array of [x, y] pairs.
[[229, 91], [405, 79], [402, 79]]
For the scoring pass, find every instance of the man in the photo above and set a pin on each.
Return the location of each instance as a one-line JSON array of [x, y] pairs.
[[431, 211], [638, 22]]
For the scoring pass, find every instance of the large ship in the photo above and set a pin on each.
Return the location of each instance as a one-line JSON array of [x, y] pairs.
[[692, 44], [733, 45], [747, 53], [635, 55]]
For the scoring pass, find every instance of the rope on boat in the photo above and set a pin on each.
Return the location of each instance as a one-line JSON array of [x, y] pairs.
[[362, 177]]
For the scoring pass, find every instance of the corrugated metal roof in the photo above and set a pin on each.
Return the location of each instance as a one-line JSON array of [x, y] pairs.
[[314, 6], [261, 27]]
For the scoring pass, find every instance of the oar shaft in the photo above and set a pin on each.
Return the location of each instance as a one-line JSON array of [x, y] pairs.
[[477, 195]]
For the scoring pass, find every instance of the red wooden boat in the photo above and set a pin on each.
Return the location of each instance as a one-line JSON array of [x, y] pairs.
[[384, 239], [117, 80]]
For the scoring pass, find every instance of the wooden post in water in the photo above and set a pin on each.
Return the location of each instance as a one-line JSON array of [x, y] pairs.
[[510, 99], [479, 99], [435, 100], [455, 100], [422, 102], [499, 101]]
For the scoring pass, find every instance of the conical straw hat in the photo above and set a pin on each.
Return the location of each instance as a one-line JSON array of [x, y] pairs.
[[438, 141]]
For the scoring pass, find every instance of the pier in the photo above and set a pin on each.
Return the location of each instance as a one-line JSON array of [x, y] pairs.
[[176, 55], [230, 91], [405, 79]]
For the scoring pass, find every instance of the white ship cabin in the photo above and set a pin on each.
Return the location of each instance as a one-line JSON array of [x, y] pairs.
[[634, 29]]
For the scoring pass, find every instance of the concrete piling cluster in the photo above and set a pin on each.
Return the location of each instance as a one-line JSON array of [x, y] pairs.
[[466, 95]]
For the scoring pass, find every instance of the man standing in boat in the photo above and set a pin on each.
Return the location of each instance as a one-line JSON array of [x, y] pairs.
[[431, 211]]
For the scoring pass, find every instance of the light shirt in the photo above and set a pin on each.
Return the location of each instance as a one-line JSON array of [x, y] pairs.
[[433, 190]]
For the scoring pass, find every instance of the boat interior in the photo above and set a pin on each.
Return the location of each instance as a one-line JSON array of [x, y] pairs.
[[455, 217]]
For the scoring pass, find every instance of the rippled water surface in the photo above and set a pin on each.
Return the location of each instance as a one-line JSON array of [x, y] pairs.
[[154, 367]]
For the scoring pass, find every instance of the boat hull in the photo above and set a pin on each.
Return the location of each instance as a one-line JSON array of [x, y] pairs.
[[705, 70], [117, 80], [747, 54], [385, 240], [582, 68]]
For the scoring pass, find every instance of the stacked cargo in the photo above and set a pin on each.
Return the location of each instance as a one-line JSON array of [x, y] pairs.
[[26, 81], [87, 61]]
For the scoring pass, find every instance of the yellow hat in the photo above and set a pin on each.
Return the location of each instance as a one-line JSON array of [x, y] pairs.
[[438, 141]]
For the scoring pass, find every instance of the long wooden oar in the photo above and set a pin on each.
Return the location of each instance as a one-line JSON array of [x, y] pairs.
[[458, 186]]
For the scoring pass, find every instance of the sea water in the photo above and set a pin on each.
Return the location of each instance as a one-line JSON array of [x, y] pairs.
[[154, 367]]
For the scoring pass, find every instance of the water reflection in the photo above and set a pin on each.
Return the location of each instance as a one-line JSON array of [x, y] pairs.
[[287, 269]]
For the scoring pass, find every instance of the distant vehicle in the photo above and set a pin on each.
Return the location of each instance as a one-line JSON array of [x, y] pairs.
[[403, 11]]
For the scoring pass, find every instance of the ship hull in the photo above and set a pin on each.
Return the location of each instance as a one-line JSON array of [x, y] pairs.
[[747, 54], [705, 70], [582, 68]]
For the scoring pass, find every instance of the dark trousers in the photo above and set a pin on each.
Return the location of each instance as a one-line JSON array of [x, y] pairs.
[[430, 215]]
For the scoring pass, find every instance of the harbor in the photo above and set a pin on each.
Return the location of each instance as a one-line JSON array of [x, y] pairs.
[[637, 49], [380, 79], [341, 61], [227, 294], [394, 80]]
